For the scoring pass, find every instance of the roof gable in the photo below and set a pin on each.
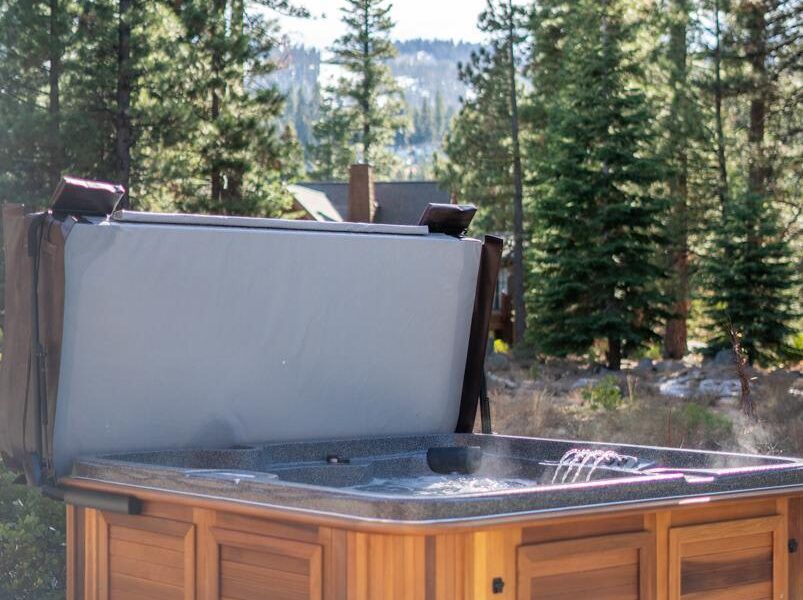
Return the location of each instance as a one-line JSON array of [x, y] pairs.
[[398, 202]]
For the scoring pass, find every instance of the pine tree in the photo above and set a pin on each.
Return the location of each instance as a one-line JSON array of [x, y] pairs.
[[423, 124], [595, 275], [90, 94], [331, 154], [483, 146], [678, 124], [751, 271], [504, 21], [751, 275], [240, 150], [478, 146], [33, 39], [439, 117], [369, 92]]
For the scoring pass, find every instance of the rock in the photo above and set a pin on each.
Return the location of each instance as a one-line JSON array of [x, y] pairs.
[[696, 374], [723, 388], [677, 387], [665, 366], [497, 362], [724, 357], [644, 366], [496, 381], [584, 382]]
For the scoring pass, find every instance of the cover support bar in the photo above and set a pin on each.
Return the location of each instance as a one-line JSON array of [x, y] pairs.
[[490, 260]]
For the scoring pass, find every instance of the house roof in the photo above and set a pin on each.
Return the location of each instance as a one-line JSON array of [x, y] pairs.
[[398, 202], [315, 202]]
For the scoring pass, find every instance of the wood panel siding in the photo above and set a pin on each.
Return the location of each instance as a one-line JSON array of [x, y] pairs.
[[144, 558], [734, 550], [248, 566], [386, 566], [736, 559], [611, 567], [796, 557]]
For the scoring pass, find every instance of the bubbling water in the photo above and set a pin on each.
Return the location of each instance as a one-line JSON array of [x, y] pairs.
[[441, 485]]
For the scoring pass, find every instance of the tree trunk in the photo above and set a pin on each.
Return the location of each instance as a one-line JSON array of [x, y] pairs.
[[613, 355], [722, 182], [757, 51], [217, 177], [234, 189], [366, 88], [675, 335], [54, 100], [519, 310], [216, 91], [125, 76]]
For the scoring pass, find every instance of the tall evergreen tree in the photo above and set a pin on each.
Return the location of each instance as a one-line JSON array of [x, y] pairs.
[[241, 154], [478, 146], [370, 95], [504, 21], [439, 116], [678, 125], [751, 274], [331, 154], [484, 146], [423, 124], [595, 276], [752, 277], [33, 42]]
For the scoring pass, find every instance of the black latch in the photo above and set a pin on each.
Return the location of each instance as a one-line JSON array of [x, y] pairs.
[[792, 546], [498, 585]]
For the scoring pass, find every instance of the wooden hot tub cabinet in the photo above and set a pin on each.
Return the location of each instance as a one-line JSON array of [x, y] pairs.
[[188, 548]]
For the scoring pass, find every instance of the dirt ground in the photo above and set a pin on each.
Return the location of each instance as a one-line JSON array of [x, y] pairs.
[[690, 404]]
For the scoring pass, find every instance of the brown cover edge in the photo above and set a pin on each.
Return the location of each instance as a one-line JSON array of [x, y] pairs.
[[26, 431], [18, 426], [490, 260], [51, 320]]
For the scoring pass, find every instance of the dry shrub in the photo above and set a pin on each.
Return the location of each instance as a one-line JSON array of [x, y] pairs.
[[528, 412]]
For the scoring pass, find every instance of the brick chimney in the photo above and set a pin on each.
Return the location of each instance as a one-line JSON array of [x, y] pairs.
[[362, 204]]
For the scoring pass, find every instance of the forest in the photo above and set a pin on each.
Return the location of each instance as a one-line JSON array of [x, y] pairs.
[[642, 158]]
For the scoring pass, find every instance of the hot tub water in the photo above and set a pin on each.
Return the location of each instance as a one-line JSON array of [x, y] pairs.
[[441, 485]]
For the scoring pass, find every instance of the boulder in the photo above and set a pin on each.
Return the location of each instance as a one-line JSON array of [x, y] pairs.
[[665, 366], [721, 388], [497, 362], [725, 357], [677, 387], [644, 366], [494, 381]]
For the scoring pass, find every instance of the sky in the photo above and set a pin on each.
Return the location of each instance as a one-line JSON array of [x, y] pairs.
[[429, 19]]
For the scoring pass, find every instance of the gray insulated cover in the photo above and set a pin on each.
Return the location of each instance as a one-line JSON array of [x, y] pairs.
[[181, 336]]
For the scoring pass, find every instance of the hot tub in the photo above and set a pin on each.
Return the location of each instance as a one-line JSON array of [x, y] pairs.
[[243, 408]]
